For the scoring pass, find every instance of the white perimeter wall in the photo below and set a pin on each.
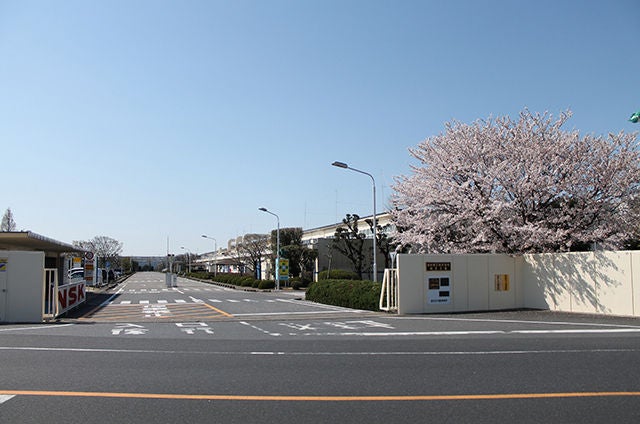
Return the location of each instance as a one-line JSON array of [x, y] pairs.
[[587, 282], [471, 283], [22, 282]]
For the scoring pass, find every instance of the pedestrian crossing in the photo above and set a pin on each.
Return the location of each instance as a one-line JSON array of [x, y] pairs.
[[175, 290]]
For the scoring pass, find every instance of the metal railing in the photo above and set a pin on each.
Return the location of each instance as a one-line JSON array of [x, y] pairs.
[[389, 291]]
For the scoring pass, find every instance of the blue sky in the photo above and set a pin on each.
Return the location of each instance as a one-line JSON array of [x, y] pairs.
[[152, 119]]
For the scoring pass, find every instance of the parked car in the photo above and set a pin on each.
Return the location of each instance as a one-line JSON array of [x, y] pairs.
[[74, 271], [76, 275]]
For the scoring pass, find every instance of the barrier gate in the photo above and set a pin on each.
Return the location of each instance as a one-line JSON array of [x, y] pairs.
[[389, 291]]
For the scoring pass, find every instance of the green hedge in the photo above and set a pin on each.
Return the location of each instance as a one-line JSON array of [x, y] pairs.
[[347, 293]]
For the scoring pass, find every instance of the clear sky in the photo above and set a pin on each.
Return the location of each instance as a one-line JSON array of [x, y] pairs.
[[147, 120]]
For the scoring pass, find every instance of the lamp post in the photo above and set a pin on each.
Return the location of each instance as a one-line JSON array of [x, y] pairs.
[[375, 219], [215, 254], [188, 257], [277, 246]]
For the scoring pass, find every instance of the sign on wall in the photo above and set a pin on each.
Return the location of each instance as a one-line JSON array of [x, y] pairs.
[[438, 266], [70, 296], [439, 290], [501, 282]]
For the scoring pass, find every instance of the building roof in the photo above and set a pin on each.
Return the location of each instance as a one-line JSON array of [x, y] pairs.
[[27, 240]]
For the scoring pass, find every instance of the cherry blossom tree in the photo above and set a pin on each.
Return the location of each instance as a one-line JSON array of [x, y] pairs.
[[500, 185]]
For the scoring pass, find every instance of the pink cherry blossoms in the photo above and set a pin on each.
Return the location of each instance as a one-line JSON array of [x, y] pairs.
[[518, 186]]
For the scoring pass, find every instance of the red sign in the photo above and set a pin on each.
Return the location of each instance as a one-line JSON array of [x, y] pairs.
[[70, 296]]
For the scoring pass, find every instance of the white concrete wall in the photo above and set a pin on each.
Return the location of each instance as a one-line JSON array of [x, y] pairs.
[[471, 283], [23, 281], [588, 282], [585, 282]]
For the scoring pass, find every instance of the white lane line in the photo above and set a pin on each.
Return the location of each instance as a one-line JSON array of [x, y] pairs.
[[513, 321], [108, 301], [325, 353], [288, 313], [4, 398], [473, 333], [41, 327], [262, 330], [319, 305]]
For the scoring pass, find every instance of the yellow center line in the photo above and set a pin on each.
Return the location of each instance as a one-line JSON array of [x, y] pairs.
[[220, 311], [275, 398]]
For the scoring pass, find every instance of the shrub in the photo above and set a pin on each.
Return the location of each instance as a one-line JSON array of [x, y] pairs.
[[266, 284], [347, 293], [298, 282]]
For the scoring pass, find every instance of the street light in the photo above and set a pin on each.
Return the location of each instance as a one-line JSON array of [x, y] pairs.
[[215, 254], [188, 256], [277, 246], [375, 221]]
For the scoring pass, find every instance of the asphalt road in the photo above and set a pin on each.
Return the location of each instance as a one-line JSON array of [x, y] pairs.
[[201, 353]]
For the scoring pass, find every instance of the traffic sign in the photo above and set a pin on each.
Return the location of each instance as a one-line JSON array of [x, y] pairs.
[[284, 269]]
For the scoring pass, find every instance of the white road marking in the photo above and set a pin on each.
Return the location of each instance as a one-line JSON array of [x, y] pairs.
[[319, 305], [269, 333], [586, 324], [4, 398], [287, 313], [40, 327], [318, 353]]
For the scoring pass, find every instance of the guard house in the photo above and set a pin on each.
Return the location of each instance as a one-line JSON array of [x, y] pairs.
[[32, 287]]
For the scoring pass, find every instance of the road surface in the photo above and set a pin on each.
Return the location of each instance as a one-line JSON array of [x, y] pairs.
[[201, 353]]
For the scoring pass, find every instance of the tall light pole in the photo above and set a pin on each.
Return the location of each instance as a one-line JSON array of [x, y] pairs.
[[277, 246], [215, 254], [375, 219]]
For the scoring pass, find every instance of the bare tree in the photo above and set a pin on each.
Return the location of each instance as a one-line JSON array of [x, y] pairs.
[[251, 251], [349, 241], [8, 223], [105, 248]]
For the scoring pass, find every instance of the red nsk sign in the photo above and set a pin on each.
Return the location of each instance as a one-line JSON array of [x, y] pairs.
[[70, 295]]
